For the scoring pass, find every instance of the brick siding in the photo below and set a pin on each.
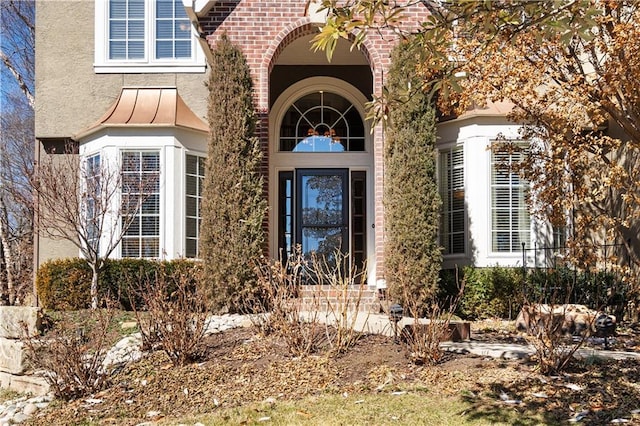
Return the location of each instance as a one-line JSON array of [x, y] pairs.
[[263, 29]]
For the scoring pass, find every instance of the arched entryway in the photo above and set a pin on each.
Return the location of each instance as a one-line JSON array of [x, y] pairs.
[[321, 170]]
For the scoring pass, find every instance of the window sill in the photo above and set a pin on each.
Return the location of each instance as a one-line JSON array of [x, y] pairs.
[[148, 69]]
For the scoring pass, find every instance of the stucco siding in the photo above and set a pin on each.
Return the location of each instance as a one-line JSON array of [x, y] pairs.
[[49, 248], [70, 96]]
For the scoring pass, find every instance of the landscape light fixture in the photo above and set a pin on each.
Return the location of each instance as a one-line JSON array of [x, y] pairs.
[[395, 316]]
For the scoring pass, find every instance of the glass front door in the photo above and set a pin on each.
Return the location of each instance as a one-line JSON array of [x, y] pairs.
[[324, 211]]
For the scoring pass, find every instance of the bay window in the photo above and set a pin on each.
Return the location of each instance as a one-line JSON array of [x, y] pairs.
[[141, 204], [510, 219]]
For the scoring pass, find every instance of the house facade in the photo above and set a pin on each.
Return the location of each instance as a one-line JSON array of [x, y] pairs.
[[125, 80]]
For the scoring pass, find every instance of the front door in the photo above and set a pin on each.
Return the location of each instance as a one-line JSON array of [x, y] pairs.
[[320, 159], [321, 212], [324, 212]]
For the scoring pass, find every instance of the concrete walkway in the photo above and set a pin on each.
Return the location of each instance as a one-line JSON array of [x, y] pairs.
[[380, 324]]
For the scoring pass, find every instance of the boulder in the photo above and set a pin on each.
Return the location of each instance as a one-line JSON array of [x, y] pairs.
[[567, 319], [14, 320], [12, 357], [35, 385]]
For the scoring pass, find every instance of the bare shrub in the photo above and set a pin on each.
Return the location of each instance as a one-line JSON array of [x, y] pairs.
[[279, 310], [73, 352], [175, 313], [339, 286], [334, 293], [422, 338], [553, 334]]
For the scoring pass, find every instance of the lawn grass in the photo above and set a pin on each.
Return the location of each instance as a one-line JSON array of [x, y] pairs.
[[411, 408]]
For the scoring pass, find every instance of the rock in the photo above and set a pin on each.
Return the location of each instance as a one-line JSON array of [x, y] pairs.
[[30, 409], [19, 418], [14, 320], [569, 319], [12, 359], [128, 324], [35, 385]]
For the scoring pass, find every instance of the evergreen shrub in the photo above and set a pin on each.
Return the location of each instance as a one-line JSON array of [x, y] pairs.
[[494, 292], [411, 199], [234, 204], [500, 292], [65, 284]]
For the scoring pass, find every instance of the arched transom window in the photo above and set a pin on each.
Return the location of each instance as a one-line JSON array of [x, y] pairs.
[[322, 122]]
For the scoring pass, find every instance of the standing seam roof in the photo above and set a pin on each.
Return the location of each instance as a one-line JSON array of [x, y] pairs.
[[147, 107]]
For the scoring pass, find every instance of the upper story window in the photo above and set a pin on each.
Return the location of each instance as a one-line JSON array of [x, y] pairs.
[[322, 122], [141, 36]]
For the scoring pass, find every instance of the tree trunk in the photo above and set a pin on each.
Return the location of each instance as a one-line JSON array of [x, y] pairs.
[[94, 286], [4, 293], [6, 251]]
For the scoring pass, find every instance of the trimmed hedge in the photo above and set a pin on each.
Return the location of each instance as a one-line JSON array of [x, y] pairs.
[[494, 292], [65, 284], [500, 292]]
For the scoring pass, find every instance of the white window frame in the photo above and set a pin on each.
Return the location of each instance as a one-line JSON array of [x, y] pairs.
[[447, 192], [517, 187], [92, 202], [198, 201], [139, 213], [104, 65]]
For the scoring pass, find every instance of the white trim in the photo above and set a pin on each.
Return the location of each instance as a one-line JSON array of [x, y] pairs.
[[148, 69], [103, 65], [199, 6], [183, 203]]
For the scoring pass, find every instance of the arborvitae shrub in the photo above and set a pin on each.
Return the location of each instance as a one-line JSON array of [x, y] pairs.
[[411, 198], [234, 206]]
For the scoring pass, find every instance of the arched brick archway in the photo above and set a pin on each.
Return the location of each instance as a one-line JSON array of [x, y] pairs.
[[301, 28]]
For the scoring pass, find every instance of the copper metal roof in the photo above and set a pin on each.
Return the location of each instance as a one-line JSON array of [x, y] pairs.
[[147, 107]]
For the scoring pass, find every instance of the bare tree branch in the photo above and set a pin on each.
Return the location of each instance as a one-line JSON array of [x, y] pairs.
[[80, 200]]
